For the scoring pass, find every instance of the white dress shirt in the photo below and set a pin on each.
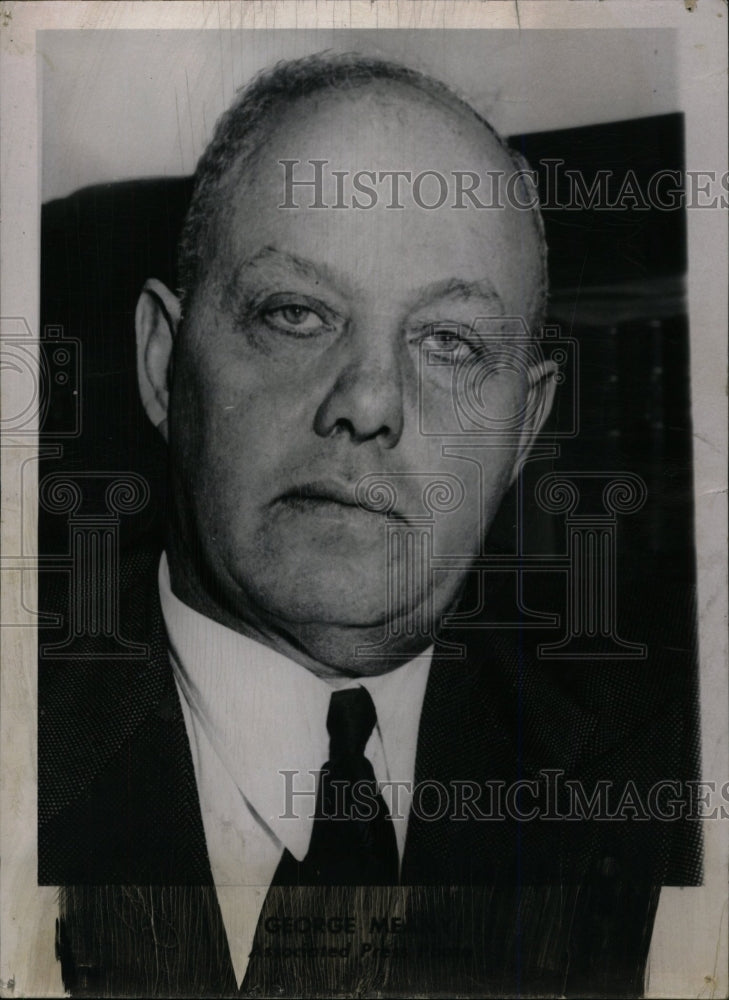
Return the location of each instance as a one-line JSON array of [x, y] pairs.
[[253, 716]]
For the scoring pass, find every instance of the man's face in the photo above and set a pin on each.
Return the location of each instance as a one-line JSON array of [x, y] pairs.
[[297, 370]]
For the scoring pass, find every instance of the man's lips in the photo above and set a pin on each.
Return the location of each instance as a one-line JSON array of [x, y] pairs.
[[306, 495]]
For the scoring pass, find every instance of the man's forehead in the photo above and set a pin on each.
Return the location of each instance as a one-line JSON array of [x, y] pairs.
[[361, 135], [380, 123]]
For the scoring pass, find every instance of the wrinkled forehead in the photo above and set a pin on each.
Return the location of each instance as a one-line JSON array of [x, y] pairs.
[[376, 126], [382, 180]]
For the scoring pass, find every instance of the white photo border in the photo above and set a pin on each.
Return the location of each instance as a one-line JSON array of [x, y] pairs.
[[689, 952]]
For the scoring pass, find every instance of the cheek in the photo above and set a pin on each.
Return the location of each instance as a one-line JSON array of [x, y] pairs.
[[214, 400], [474, 400], [205, 443], [232, 443], [468, 479], [238, 392]]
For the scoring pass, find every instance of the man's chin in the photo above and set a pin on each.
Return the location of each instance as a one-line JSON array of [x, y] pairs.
[[348, 584], [339, 603], [341, 533], [335, 589]]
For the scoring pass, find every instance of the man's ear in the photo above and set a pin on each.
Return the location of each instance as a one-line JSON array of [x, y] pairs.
[[542, 386], [156, 321]]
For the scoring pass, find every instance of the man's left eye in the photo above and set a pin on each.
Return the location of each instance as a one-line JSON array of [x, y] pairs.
[[295, 319], [446, 335], [447, 338]]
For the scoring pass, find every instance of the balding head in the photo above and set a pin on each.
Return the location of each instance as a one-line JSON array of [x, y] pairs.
[[295, 88]]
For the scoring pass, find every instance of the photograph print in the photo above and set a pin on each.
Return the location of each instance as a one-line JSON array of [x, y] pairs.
[[367, 642]]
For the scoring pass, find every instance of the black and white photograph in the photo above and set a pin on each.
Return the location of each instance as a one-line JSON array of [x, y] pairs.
[[364, 500]]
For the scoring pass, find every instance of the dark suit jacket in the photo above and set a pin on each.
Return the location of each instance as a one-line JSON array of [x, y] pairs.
[[547, 906]]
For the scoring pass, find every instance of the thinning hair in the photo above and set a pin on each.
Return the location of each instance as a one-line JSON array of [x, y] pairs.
[[249, 121]]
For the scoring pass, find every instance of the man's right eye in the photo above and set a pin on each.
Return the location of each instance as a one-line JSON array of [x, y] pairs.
[[299, 320]]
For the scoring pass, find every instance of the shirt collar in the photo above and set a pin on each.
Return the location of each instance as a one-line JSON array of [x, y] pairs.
[[265, 714]]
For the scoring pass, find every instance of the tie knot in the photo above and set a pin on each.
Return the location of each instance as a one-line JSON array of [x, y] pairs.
[[350, 722]]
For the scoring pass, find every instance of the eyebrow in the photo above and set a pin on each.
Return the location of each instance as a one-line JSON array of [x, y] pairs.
[[304, 268], [449, 288], [457, 288]]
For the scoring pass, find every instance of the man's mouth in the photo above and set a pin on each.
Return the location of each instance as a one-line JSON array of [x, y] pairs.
[[323, 494]]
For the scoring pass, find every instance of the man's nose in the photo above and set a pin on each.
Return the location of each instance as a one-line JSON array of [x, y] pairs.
[[365, 399]]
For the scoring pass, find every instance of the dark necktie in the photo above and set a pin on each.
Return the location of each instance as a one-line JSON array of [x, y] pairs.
[[353, 838]]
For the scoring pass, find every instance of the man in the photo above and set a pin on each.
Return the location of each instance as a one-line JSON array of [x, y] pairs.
[[303, 377]]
